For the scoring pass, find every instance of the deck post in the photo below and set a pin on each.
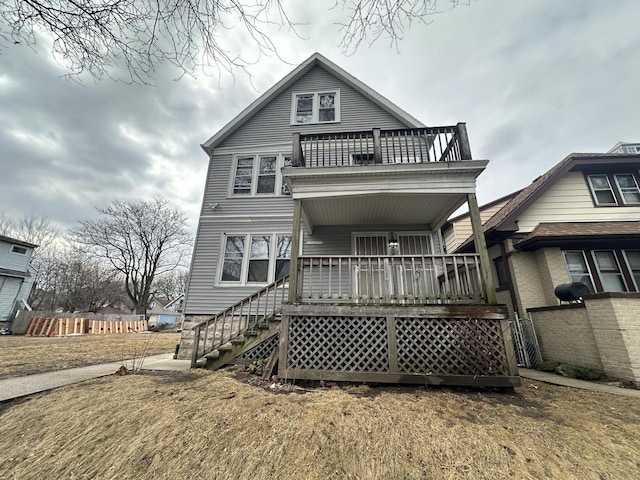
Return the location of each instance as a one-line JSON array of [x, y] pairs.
[[377, 146], [294, 295], [463, 141], [481, 248], [296, 153]]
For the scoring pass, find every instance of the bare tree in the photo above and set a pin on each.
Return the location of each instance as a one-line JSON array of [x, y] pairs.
[[139, 240], [101, 36], [171, 284]]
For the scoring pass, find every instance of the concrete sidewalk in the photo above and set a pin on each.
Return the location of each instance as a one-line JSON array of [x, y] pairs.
[[554, 379], [11, 388]]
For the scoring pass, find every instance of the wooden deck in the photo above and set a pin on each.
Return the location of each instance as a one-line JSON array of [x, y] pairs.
[[467, 345]]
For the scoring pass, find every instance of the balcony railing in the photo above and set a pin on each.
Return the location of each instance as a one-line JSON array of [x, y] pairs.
[[390, 279], [416, 145]]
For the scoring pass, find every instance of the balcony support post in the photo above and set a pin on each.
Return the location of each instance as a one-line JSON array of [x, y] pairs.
[[481, 248], [463, 141], [294, 295], [296, 154], [377, 146]]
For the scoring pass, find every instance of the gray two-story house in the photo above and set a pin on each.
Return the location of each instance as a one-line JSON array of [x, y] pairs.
[[318, 243], [16, 276]]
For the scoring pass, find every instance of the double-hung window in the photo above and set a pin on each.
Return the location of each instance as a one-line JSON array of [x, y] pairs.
[[614, 190], [578, 268], [315, 107], [632, 258], [252, 258], [609, 271], [259, 174]]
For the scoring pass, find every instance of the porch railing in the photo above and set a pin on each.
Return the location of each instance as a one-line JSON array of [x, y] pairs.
[[416, 145], [390, 279], [233, 322]]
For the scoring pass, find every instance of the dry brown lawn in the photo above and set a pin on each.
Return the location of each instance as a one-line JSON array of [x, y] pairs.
[[214, 425], [22, 355]]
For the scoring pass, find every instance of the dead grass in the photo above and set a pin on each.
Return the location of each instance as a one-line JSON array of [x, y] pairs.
[[209, 425], [21, 355]]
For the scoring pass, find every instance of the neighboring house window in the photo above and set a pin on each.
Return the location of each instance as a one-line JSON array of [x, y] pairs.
[[633, 149], [614, 190], [602, 191], [317, 107], [628, 187], [578, 268], [251, 258], [18, 249], [605, 270], [609, 271], [633, 262], [258, 174], [501, 271]]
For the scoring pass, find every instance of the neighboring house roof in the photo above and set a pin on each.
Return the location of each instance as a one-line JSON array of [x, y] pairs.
[[14, 273], [504, 220], [17, 242], [174, 301], [549, 233], [482, 207], [295, 75]]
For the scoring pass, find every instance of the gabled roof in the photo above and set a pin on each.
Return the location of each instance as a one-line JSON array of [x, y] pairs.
[[294, 76], [17, 242], [504, 220]]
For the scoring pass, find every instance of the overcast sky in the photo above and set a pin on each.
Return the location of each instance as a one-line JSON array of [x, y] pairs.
[[533, 79]]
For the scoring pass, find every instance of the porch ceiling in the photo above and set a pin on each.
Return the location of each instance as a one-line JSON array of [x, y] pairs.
[[417, 194], [384, 209]]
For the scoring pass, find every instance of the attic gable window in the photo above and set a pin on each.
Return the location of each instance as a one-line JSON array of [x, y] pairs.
[[619, 189], [315, 107]]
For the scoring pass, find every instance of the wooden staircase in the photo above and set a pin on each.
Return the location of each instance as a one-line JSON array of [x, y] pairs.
[[242, 333]]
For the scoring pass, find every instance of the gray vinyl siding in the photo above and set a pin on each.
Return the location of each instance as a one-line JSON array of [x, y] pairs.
[[14, 261], [217, 189], [204, 296], [9, 288], [250, 214], [272, 123]]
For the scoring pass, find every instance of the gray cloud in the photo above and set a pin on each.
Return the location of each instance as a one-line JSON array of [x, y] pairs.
[[534, 80]]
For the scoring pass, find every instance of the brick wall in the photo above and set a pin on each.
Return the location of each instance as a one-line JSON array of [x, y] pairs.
[[565, 335], [552, 272], [615, 321], [602, 333], [528, 284]]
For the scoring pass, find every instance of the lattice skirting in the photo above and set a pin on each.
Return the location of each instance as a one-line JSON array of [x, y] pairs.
[[396, 348], [262, 350]]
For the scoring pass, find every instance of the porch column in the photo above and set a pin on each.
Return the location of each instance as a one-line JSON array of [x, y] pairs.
[[463, 141], [481, 248], [295, 249]]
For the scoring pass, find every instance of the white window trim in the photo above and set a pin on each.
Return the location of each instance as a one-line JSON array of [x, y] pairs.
[[315, 106], [624, 201], [26, 250], [584, 258], [601, 276], [255, 173], [245, 258], [593, 191]]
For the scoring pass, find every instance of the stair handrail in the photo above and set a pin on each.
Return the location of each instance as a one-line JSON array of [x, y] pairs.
[[245, 306]]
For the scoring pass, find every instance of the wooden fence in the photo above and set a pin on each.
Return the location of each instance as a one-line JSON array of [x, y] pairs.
[[51, 327]]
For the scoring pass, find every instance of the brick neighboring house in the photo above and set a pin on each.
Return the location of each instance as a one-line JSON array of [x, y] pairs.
[[577, 222]]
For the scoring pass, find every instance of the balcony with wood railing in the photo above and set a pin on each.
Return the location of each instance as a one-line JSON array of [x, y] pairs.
[[405, 279], [376, 146]]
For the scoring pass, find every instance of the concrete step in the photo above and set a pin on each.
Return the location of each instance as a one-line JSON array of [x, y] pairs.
[[214, 354]]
